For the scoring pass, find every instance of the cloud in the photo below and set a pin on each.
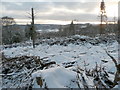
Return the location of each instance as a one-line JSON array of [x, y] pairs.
[[57, 0], [88, 6], [23, 6], [83, 11], [43, 6], [69, 16]]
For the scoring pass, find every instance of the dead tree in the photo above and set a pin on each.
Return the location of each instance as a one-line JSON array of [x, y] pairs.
[[32, 28]]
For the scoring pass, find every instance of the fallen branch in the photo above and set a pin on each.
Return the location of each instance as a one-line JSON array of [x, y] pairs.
[[117, 75], [115, 62]]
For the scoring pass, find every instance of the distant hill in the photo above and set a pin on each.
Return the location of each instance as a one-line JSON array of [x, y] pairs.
[[42, 26], [84, 27]]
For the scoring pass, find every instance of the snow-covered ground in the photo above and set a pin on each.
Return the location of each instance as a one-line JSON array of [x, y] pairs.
[[63, 54], [85, 55]]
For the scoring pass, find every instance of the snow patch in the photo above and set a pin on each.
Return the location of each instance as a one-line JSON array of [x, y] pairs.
[[57, 77]]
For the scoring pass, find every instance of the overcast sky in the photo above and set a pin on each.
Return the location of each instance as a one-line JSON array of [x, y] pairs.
[[52, 12]]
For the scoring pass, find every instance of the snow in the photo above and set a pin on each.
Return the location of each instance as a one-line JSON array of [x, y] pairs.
[[116, 87], [80, 53], [57, 77], [47, 30], [83, 26], [60, 77]]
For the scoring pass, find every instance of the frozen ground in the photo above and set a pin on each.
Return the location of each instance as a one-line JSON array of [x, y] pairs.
[[68, 57]]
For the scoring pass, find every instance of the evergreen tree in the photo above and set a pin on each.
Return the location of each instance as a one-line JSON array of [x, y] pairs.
[[27, 31], [72, 29]]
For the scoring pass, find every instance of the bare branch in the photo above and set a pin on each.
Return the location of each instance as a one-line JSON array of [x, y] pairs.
[[28, 13], [115, 62]]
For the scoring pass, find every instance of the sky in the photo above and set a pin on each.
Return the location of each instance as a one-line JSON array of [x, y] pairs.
[[58, 11]]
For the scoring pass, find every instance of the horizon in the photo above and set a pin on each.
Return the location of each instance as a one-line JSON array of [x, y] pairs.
[[85, 23]]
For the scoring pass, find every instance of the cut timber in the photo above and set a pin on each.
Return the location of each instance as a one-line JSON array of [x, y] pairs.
[[48, 64], [39, 81], [11, 65]]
